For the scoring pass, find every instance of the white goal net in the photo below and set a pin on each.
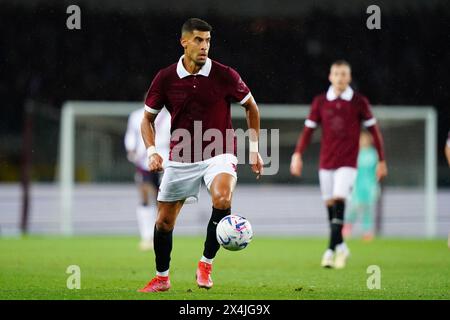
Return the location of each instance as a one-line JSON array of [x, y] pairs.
[[92, 160]]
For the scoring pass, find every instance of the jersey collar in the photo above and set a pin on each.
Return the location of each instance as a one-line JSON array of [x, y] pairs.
[[204, 71], [346, 95]]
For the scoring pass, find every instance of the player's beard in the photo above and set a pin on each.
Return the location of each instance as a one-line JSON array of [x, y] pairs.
[[200, 63]]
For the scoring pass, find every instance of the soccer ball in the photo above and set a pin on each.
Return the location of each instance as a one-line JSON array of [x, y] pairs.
[[234, 232]]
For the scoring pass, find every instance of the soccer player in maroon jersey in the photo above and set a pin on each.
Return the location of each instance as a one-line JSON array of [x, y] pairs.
[[340, 112], [197, 92]]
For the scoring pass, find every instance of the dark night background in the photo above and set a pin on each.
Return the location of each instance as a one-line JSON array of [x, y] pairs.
[[284, 58]]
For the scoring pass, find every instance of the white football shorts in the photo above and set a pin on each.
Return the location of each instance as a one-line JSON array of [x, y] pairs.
[[337, 183], [181, 181]]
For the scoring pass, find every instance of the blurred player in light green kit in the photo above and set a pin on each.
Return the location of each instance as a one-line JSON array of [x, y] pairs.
[[366, 189]]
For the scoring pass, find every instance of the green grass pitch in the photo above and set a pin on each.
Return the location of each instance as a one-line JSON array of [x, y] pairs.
[[270, 268]]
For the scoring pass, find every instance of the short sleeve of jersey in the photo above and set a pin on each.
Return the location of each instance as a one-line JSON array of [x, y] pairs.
[[154, 101], [366, 115], [314, 115], [238, 90]]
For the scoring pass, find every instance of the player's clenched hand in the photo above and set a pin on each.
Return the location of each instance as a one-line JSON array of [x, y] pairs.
[[257, 163], [382, 170], [296, 165], [155, 163]]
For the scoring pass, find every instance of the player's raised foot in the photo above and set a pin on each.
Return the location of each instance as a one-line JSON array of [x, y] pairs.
[[328, 259], [157, 284], [146, 245], [342, 255], [203, 275]]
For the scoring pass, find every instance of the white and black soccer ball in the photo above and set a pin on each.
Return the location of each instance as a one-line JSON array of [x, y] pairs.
[[234, 232]]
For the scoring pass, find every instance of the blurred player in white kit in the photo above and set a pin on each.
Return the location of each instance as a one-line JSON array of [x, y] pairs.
[[148, 182]]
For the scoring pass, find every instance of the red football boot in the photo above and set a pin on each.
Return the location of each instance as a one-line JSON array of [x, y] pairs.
[[157, 284], [203, 275]]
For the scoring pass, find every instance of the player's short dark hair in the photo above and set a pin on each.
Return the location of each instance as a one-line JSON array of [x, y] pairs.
[[341, 62], [195, 24]]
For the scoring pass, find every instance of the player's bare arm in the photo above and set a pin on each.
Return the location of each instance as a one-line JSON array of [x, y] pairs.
[[148, 135], [296, 164], [252, 114], [381, 170], [304, 139]]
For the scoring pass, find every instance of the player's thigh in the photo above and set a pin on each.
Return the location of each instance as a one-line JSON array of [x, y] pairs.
[[167, 214], [344, 179], [326, 180], [221, 190], [220, 178]]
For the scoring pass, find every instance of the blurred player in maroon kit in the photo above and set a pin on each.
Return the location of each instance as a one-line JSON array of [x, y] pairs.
[[340, 112], [196, 91]]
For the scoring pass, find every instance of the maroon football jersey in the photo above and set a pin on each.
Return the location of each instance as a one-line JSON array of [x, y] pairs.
[[340, 119], [197, 101]]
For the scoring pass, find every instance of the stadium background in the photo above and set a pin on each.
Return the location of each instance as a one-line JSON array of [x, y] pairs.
[[283, 53]]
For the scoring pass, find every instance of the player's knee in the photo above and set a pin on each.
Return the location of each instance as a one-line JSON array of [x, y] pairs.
[[222, 201], [164, 224], [339, 210]]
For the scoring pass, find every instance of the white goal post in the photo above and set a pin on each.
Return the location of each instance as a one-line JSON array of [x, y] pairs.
[[73, 110]]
